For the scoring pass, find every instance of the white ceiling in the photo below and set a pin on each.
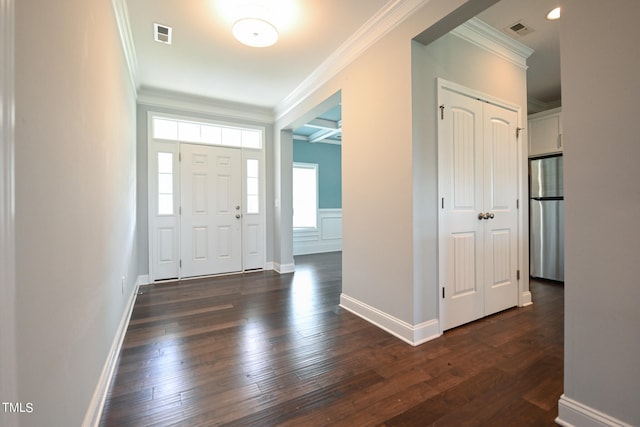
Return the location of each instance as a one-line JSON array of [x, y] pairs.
[[205, 60], [543, 74]]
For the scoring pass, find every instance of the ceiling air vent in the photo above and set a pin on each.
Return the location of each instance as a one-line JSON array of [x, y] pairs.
[[162, 33], [520, 29]]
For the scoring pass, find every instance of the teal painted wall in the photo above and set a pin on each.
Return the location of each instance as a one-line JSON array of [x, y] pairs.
[[328, 157]]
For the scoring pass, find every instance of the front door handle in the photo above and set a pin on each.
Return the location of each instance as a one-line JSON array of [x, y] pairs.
[[238, 216]]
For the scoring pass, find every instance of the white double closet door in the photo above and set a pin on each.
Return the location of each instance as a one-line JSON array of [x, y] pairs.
[[196, 217], [478, 217]]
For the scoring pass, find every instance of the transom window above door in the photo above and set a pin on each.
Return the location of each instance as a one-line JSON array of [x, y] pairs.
[[205, 133]]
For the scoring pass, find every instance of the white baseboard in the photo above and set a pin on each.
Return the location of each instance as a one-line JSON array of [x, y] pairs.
[[573, 413], [411, 334], [94, 412], [284, 268], [143, 280], [426, 331], [525, 299], [268, 265]]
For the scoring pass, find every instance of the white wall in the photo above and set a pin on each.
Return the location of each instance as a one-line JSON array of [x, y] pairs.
[[378, 182], [600, 62], [75, 202], [8, 376]]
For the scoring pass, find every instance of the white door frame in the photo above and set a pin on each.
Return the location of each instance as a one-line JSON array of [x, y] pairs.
[[524, 295], [253, 229]]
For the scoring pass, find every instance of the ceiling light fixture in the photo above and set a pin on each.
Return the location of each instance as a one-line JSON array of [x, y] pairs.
[[553, 14], [255, 32]]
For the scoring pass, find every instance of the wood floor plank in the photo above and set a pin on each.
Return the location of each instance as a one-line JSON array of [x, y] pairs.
[[267, 349], [294, 408]]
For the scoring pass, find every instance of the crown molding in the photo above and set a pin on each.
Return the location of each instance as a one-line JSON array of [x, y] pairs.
[[536, 106], [155, 97], [483, 35], [126, 38], [373, 30]]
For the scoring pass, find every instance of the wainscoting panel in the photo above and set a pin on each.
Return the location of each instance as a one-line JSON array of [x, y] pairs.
[[326, 238]]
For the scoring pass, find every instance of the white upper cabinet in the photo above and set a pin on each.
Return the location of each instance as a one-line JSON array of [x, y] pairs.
[[545, 132]]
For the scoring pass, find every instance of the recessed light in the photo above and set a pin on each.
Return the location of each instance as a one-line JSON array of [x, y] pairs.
[[255, 32], [553, 14]]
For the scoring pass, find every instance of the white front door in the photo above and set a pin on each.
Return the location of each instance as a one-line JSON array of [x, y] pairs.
[[211, 220], [478, 184]]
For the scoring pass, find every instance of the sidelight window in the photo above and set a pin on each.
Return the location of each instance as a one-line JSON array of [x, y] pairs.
[[165, 183], [253, 187]]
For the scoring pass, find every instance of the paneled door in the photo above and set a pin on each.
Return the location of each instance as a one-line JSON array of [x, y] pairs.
[[478, 219], [500, 199], [211, 220]]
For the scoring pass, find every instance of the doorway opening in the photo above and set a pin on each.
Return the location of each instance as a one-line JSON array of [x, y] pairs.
[[317, 183]]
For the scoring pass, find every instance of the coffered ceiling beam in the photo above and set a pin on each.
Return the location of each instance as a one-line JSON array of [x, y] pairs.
[[324, 134], [324, 124]]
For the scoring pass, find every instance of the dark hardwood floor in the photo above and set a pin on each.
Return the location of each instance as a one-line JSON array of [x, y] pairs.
[[262, 349]]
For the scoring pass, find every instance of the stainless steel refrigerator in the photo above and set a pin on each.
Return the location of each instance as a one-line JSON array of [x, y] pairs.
[[546, 218]]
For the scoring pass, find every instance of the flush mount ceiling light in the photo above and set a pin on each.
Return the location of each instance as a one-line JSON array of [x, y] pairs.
[[553, 14], [255, 32]]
